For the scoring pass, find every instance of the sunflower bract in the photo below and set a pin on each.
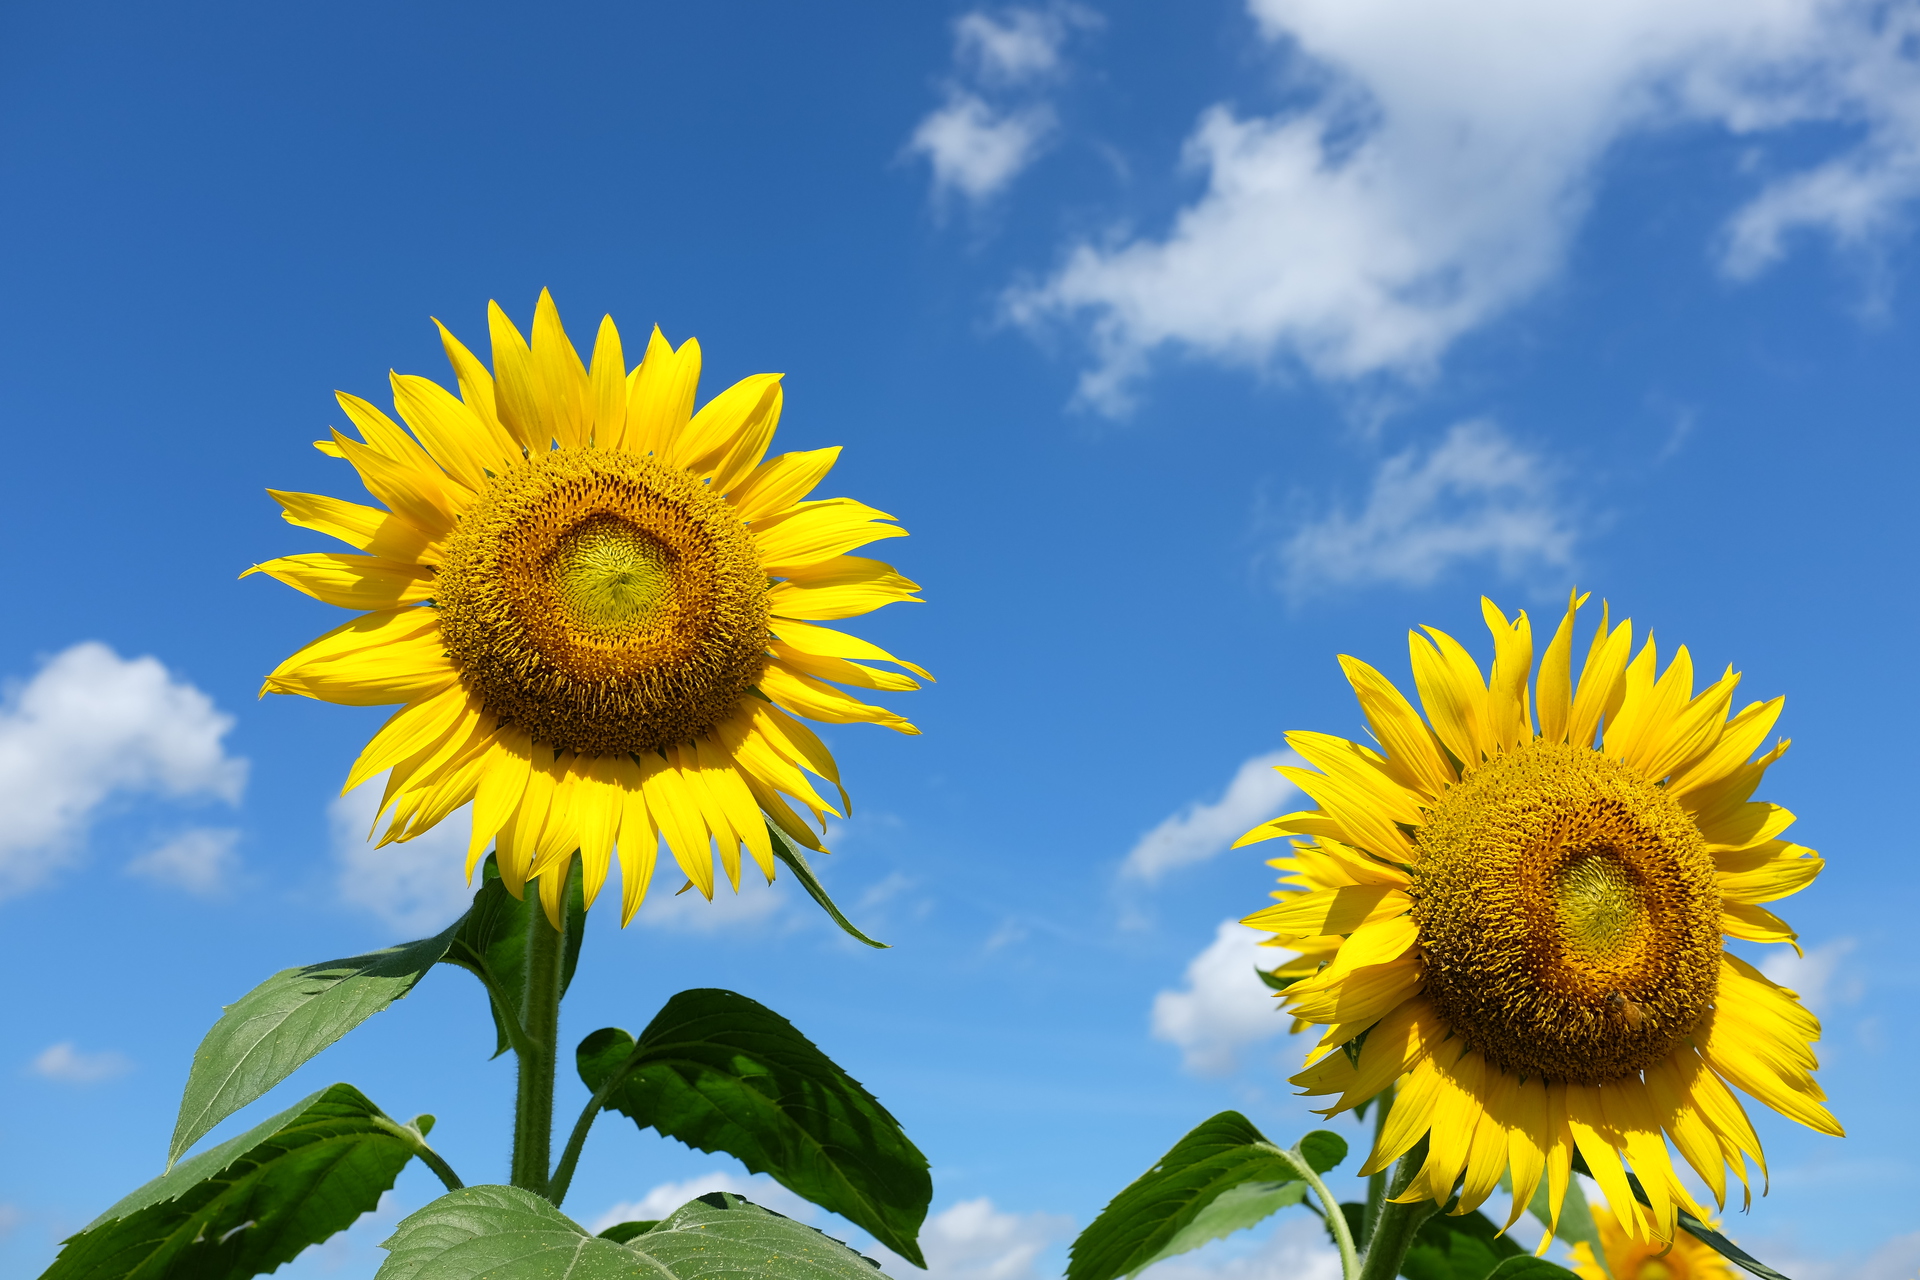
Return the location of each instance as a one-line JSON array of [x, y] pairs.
[[1520, 903], [600, 610]]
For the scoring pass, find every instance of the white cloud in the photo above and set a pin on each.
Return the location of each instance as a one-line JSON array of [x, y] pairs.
[[1476, 495], [418, 887], [1896, 1259], [1298, 1249], [67, 1064], [977, 150], [89, 725], [972, 1240], [1200, 831], [1817, 976], [1016, 46], [1224, 1006], [995, 120], [668, 1196], [1449, 154], [201, 861]]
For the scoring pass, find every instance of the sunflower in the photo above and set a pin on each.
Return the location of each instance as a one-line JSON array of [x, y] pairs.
[[1628, 1259], [1525, 929], [600, 609]]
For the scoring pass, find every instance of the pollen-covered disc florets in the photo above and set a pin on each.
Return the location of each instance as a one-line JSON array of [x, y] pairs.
[[604, 603], [1568, 913]]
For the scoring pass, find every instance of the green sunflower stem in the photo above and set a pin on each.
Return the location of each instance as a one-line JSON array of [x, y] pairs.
[[533, 1108], [1394, 1229], [1377, 1184]]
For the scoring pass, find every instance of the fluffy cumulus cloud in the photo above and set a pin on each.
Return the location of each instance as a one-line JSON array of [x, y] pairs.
[[1204, 829], [1447, 156], [995, 119], [973, 1240], [66, 1063], [1477, 495], [201, 861], [91, 725], [1224, 1007]]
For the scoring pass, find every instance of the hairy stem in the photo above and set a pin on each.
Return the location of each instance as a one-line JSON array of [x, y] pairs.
[[1394, 1232], [1377, 1184], [1336, 1220], [563, 1172], [533, 1108]]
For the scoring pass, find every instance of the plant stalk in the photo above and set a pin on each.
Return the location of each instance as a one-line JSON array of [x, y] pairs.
[[1393, 1233], [1336, 1220], [1377, 1184], [533, 1108]]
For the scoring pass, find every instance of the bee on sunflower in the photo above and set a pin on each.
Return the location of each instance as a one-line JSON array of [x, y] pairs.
[[601, 611], [1511, 913]]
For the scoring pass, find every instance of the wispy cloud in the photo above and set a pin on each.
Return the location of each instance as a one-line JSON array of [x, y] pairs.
[[995, 119], [1297, 1249], [1476, 495], [1224, 1007], [201, 861], [89, 725], [1820, 976], [66, 1063], [1203, 829], [1448, 157]]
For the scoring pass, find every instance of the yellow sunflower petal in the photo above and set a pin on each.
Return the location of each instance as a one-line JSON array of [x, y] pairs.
[[818, 532], [1752, 923], [824, 642], [660, 395], [1553, 689], [742, 409], [1775, 879], [816, 700], [1455, 708], [841, 588], [466, 444], [395, 655], [567, 397], [779, 483], [607, 376], [421, 498], [352, 582], [515, 397], [842, 671], [1528, 1141], [502, 783], [381, 533], [1601, 680], [639, 839], [1351, 805], [1410, 746], [1509, 720], [1738, 741], [678, 814], [476, 384], [1331, 911], [731, 463], [1408, 1119]]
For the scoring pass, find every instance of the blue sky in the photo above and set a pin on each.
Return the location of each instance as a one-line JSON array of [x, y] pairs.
[[1195, 344]]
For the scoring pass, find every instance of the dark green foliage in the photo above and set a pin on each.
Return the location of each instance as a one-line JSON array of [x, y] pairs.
[[1468, 1247], [795, 860], [251, 1204], [492, 943], [1222, 1176], [266, 1034], [721, 1072], [503, 1233]]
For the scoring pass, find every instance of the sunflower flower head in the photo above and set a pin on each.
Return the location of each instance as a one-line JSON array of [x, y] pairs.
[[600, 610], [1515, 909], [1630, 1259]]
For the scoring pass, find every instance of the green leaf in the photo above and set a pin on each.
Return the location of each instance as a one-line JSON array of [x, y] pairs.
[[621, 1232], [1526, 1268], [492, 943], [1467, 1247], [1234, 1209], [721, 1072], [266, 1034], [789, 852], [1576, 1219], [251, 1204], [503, 1233], [1167, 1209]]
